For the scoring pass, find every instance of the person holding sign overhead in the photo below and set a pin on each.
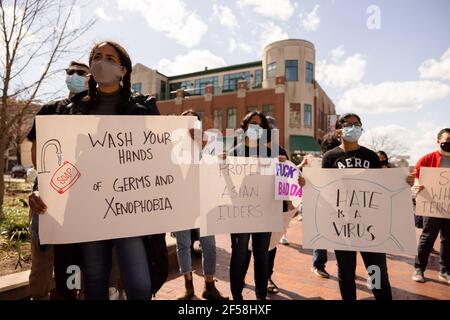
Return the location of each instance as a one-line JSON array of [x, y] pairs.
[[352, 155], [431, 225], [256, 144]]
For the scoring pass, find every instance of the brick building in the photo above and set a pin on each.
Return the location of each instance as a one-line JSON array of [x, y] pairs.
[[282, 85]]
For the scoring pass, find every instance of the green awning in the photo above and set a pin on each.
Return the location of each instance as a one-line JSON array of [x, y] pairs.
[[303, 144]]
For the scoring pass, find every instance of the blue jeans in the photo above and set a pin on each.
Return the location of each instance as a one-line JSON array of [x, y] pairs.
[[184, 252], [239, 263], [134, 269], [320, 258]]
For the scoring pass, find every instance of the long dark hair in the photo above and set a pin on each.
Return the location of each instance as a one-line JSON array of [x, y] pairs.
[[264, 123], [125, 91]]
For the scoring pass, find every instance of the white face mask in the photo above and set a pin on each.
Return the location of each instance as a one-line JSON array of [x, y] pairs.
[[351, 134], [254, 132]]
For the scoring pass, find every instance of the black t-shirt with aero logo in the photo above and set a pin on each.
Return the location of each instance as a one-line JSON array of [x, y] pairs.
[[362, 158]]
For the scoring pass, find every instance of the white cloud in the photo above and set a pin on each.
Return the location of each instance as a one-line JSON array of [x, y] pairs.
[[337, 53], [311, 21], [280, 9], [432, 68], [341, 73], [101, 13], [240, 46], [194, 60], [225, 17], [426, 140], [388, 97], [270, 33], [172, 17]]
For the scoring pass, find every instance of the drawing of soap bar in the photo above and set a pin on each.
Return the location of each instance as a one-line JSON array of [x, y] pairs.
[[65, 177]]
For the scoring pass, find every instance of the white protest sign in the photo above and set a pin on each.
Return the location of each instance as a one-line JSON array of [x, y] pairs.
[[313, 162], [106, 177], [358, 210], [434, 200], [236, 196], [286, 181]]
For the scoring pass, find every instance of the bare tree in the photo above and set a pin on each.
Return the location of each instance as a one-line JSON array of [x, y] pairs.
[[35, 36], [386, 143]]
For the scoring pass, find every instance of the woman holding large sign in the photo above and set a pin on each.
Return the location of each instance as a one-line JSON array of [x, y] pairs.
[[257, 135]]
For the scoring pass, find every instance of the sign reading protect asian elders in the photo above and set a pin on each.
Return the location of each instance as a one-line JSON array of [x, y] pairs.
[[237, 196], [358, 210], [107, 177], [434, 199]]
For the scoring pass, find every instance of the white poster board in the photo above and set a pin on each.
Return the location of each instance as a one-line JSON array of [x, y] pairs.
[[106, 177], [434, 200], [286, 181], [358, 210], [237, 197]]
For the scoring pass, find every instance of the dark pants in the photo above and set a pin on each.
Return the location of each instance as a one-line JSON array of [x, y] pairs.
[[431, 228], [239, 258], [272, 254], [133, 265], [320, 258], [64, 256], [346, 261]]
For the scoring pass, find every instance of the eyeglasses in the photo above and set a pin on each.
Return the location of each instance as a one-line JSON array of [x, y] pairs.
[[348, 125], [78, 72]]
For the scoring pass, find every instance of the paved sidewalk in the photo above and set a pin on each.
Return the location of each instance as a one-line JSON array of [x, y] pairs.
[[293, 276]]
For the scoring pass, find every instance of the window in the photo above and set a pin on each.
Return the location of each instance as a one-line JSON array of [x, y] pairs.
[[137, 87], [230, 81], [271, 70], [163, 90], [258, 78], [173, 89], [231, 120], [308, 115], [309, 72], [291, 70], [268, 110], [252, 109], [218, 119], [200, 85], [294, 115]]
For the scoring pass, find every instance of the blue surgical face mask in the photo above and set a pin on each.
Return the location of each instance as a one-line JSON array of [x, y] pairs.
[[76, 83], [254, 131], [351, 134]]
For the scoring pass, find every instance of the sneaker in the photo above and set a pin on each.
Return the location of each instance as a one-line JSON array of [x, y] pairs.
[[445, 277], [322, 273], [284, 240], [418, 276]]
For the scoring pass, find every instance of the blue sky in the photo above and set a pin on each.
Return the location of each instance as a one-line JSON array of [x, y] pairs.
[[397, 76]]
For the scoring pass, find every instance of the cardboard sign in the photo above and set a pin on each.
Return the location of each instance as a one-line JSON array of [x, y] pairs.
[[286, 181], [358, 210], [106, 177], [237, 197], [434, 200]]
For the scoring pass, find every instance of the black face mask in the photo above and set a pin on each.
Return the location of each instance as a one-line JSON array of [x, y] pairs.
[[445, 146], [384, 163]]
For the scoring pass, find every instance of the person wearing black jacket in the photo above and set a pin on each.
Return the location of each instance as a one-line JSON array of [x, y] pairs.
[[110, 93], [42, 262]]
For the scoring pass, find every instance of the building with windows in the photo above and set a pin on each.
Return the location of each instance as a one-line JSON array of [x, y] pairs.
[[282, 85]]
